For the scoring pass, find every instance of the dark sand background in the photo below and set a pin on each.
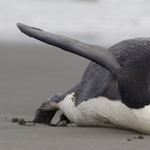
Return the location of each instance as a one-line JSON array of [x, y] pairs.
[[29, 74]]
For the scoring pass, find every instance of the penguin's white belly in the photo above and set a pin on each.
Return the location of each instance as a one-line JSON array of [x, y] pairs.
[[104, 112]]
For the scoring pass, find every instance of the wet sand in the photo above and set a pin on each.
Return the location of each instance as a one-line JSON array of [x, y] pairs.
[[29, 74]]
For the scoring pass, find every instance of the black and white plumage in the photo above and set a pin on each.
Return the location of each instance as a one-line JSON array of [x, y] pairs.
[[114, 90]]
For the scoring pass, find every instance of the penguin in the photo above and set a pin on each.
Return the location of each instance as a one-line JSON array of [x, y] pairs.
[[114, 90]]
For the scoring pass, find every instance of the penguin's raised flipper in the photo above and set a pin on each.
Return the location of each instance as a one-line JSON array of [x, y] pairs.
[[95, 53]]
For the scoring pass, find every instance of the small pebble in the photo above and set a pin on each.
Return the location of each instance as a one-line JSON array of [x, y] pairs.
[[15, 120], [21, 121], [129, 139], [140, 137]]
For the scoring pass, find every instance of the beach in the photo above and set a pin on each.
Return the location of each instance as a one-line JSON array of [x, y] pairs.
[[31, 73]]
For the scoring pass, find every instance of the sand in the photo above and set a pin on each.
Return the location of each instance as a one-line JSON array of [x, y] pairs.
[[29, 74]]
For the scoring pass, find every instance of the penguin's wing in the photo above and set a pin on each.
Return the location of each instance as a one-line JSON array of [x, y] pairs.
[[95, 53]]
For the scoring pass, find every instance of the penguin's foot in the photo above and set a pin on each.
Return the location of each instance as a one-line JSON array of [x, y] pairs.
[[63, 120]]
